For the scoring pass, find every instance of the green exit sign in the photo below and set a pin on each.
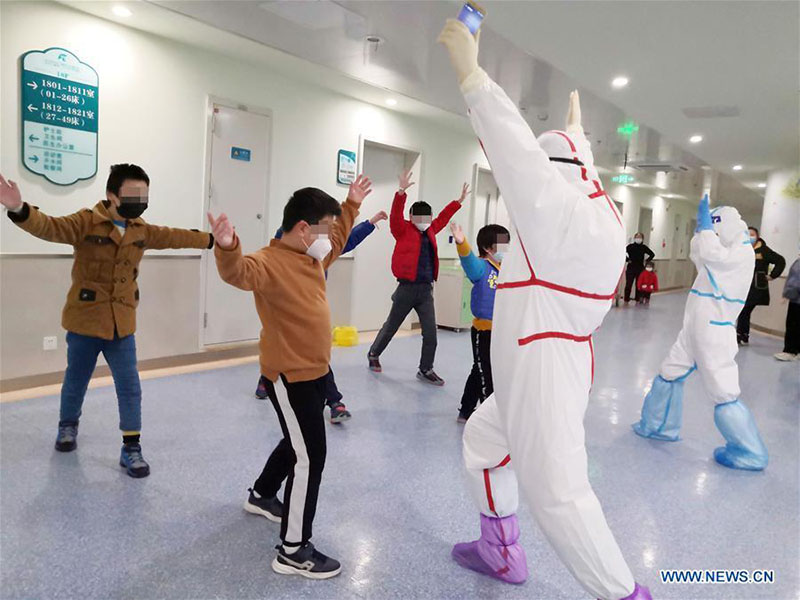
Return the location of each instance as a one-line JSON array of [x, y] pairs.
[[627, 129], [624, 178]]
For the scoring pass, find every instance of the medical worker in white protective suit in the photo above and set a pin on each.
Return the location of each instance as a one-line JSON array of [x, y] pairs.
[[555, 287], [722, 252]]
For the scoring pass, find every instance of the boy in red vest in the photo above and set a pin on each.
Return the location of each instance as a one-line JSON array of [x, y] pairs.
[[415, 263], [647, 283]]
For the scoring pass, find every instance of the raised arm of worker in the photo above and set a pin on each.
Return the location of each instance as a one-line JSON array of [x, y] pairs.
[[538, 198]]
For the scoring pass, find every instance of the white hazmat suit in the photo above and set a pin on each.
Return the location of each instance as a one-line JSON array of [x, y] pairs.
[[555, 287], [724, 257]]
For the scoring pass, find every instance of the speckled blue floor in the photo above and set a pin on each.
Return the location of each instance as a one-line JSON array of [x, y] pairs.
[[393, 499]]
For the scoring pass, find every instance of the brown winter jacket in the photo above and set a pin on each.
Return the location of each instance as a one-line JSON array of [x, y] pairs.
[[291, 300], [104, 295]]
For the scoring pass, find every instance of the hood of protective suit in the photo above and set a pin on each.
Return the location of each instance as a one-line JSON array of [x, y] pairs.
[[729, 226], [572, 158]]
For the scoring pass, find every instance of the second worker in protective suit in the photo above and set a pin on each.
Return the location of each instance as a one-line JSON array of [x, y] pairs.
[[555, 288], [722, 252]]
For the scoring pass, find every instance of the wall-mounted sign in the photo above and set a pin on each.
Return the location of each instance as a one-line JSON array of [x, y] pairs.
[[240, 154], [59, 116], [346, 173], [623, 178]]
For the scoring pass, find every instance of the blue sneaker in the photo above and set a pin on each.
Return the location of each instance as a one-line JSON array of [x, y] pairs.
[[133, 462]]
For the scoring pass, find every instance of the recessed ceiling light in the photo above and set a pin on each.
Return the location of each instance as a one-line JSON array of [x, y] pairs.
[[121, 11], [635, 184], [705, 168], [696, 139], [762, 185], [391, 102], [737, 167], [620, 82]]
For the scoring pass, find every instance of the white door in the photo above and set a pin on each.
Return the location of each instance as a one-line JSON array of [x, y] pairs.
[[373, 282], [645, 223], [238, 187], [489, 205]]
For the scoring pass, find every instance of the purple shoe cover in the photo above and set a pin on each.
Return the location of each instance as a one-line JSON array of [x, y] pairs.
[[497, 553]]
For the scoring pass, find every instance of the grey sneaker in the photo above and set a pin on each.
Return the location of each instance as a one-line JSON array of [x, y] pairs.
[[131, 459], [306, 562], [431, 377], [339, 413], [787, 356], [67, 439]]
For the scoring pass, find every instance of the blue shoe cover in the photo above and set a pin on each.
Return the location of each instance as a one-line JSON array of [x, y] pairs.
[[662, 411], [744, 448]]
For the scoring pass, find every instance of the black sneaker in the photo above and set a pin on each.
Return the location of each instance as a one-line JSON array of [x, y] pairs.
[[306, 562], [271, 508], [339, 413], [374, 364], [431, 377], [131, 459], [462, 417], [261, 389], [743, 341], [67, 439]]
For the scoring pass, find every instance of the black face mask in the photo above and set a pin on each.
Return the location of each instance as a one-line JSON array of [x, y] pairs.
[[131, 208]]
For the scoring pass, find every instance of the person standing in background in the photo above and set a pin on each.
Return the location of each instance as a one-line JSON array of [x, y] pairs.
[[415, 264], [759, 286], [483, 272], [647, 283], [791, 293], [635, 259]]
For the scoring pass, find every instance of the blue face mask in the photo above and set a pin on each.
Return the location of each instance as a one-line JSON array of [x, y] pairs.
[[498, 256]]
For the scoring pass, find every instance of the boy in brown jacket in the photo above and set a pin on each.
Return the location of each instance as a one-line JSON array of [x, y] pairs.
[[100, 313], [287, 279]]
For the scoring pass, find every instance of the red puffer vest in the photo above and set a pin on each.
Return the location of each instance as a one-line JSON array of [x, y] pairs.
[[406, 251]]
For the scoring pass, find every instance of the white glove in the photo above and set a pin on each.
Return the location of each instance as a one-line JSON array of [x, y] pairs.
[[574, 113], [462, 46]]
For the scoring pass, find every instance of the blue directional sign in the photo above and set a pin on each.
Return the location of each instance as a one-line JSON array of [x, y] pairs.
[[59, 116]]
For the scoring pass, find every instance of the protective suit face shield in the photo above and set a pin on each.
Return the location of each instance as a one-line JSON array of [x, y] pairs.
[[573, 161], [729, 226]]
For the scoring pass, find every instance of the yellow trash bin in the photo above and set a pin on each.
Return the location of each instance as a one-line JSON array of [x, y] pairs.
[[345, 336]]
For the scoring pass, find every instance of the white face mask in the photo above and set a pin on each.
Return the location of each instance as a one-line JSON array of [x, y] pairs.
[[650, 269], [422, 226], [499, 255], [638, 241], [319, 248]]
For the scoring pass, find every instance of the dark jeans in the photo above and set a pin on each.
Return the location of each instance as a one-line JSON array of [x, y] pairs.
[[632, 272], [332, 393], [120, 354], [479, 384], [408, 296], [299, 457], [743, 322], [643, 296], [791, 341]]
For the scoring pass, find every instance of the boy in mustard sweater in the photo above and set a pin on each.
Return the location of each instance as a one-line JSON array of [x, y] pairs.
[[287, 279]]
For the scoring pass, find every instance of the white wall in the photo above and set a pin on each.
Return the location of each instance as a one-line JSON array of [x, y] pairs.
[[153, 112]]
